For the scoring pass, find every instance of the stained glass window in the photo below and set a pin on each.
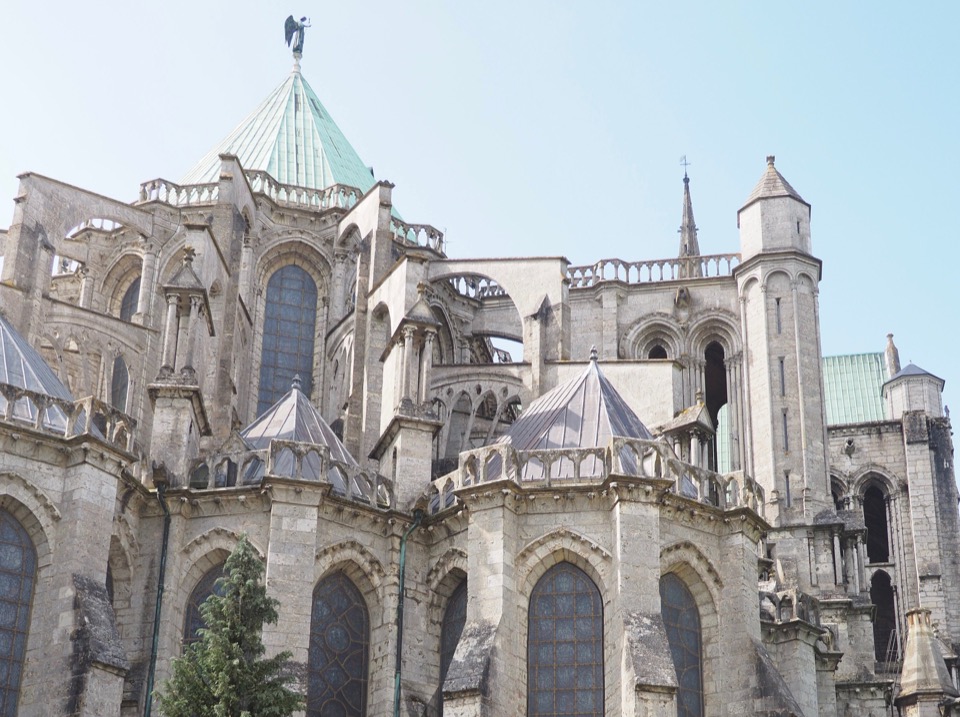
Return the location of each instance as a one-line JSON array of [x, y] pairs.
[[18, 570], [289, 325], [193, 621], [128, 304], [565, 645], [454, 618], [339, 642], [682, 620], [119, 383]]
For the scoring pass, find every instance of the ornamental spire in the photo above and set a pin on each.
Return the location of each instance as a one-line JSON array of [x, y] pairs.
[[689, 246]]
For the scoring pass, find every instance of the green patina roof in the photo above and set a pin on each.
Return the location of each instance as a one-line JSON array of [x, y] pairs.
[[852, 388], [292, 137]]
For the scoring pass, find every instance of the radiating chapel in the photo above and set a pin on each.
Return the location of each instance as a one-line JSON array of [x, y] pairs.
[[480, 486]]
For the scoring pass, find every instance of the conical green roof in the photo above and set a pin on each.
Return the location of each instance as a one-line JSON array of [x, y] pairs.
[[292, 137]]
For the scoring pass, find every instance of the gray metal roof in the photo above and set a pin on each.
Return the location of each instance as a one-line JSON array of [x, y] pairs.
[[772, 184], [912, 369], [583, 413], [22, 366], [293, 418]]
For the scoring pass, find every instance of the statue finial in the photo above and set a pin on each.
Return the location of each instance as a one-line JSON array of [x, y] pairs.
[[293, 34], [295, 384], [593, 354]]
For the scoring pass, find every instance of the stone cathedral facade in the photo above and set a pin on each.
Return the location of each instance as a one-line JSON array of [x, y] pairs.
[[667, 502]]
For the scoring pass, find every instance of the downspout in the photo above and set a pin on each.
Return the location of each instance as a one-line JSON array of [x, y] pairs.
[[151, 674], [417, 518]]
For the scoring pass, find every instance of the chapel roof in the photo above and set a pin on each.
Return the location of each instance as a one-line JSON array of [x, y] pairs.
[[772, 184], [22, 366], [293, 418], [583, 413], [293, 138]]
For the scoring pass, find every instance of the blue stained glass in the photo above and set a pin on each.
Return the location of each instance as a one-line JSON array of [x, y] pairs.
[[193, 621], [289, 330], [339, 645], [682, 621], [565, 645], [454, 619], [18, 561]]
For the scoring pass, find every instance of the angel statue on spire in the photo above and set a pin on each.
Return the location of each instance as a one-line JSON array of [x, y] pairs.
[[293, 31]]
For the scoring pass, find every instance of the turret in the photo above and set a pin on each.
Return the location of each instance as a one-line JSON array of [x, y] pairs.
[[778, 284]]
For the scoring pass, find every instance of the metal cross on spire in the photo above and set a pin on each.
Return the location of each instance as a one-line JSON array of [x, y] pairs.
[[685, 164]]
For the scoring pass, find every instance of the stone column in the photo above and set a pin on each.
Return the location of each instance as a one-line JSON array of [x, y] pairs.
[[407, 361], [148, 273], [246, 268], [427, 365], [86, 287], [170, 333], [193, 319]]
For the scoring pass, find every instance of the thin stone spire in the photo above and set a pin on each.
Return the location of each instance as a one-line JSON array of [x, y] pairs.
[[689, 246]]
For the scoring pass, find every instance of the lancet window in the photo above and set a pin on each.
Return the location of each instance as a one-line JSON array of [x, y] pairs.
[[193, 621], [682, 621], [289, 334], [128, 304], [119, 383], [565, 645], [339, 650], [18, 572], [454, 618]]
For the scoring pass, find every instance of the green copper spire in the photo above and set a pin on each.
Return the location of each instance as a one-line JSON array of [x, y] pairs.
[[292, 137]]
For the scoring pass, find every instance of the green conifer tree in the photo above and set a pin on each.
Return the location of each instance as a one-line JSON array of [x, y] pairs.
[[223, 674]]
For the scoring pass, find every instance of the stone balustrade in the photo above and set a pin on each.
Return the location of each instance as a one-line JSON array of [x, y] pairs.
[[786, 605], [475, 286], [66, 419], [422, 235], [654, 270], [578, 466], [161, 190], [291, 460]]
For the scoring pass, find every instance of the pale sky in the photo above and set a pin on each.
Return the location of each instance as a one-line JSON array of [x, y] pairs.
[[535, 127]]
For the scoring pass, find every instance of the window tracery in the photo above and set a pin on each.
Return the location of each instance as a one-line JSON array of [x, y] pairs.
[[128, 304], [339, 647], [289, 334], [18, 570], [565, 645], [682, 622], [193, 621], [454, 618]]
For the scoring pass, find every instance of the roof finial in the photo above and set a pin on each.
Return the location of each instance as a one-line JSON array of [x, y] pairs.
[[295, 384], [771, 159], [685, 163], [188, 255], [593, 353], [293, 34]]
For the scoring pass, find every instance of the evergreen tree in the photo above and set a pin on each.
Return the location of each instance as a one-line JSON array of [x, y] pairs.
[[224, 674]]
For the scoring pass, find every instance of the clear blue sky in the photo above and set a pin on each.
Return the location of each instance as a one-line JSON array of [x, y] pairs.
[[535, 127]]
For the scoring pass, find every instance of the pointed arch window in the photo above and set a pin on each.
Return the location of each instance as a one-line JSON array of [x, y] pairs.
[[128, 304], [682, 621], [565, 645], [339, 650], [454, 618], [193, 621], [18, 572], [289, 334], [119, 383]]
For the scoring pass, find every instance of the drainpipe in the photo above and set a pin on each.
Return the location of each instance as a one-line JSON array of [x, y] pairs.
[[161, 489], [417, 518]]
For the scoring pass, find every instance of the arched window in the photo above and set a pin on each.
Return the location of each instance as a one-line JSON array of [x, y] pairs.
[[128, 304], [289, 335], [193, 621], [119, 384], [18, 572], [339, 645], [454, 618], [885, 644], [875, 518], [657, 352], [565, 645], [682, 621]]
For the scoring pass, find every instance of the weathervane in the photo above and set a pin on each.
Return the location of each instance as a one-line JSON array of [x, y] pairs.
[[293, 32], [685, 163]]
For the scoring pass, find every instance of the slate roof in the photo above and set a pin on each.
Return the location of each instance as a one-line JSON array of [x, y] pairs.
[[772, 184], [292, 137], [293, 418], [22, 366], [912, 370]]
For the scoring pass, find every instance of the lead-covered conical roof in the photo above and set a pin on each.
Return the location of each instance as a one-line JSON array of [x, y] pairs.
[[772, 184], [22, 366], [293, 418], [292, 137]]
